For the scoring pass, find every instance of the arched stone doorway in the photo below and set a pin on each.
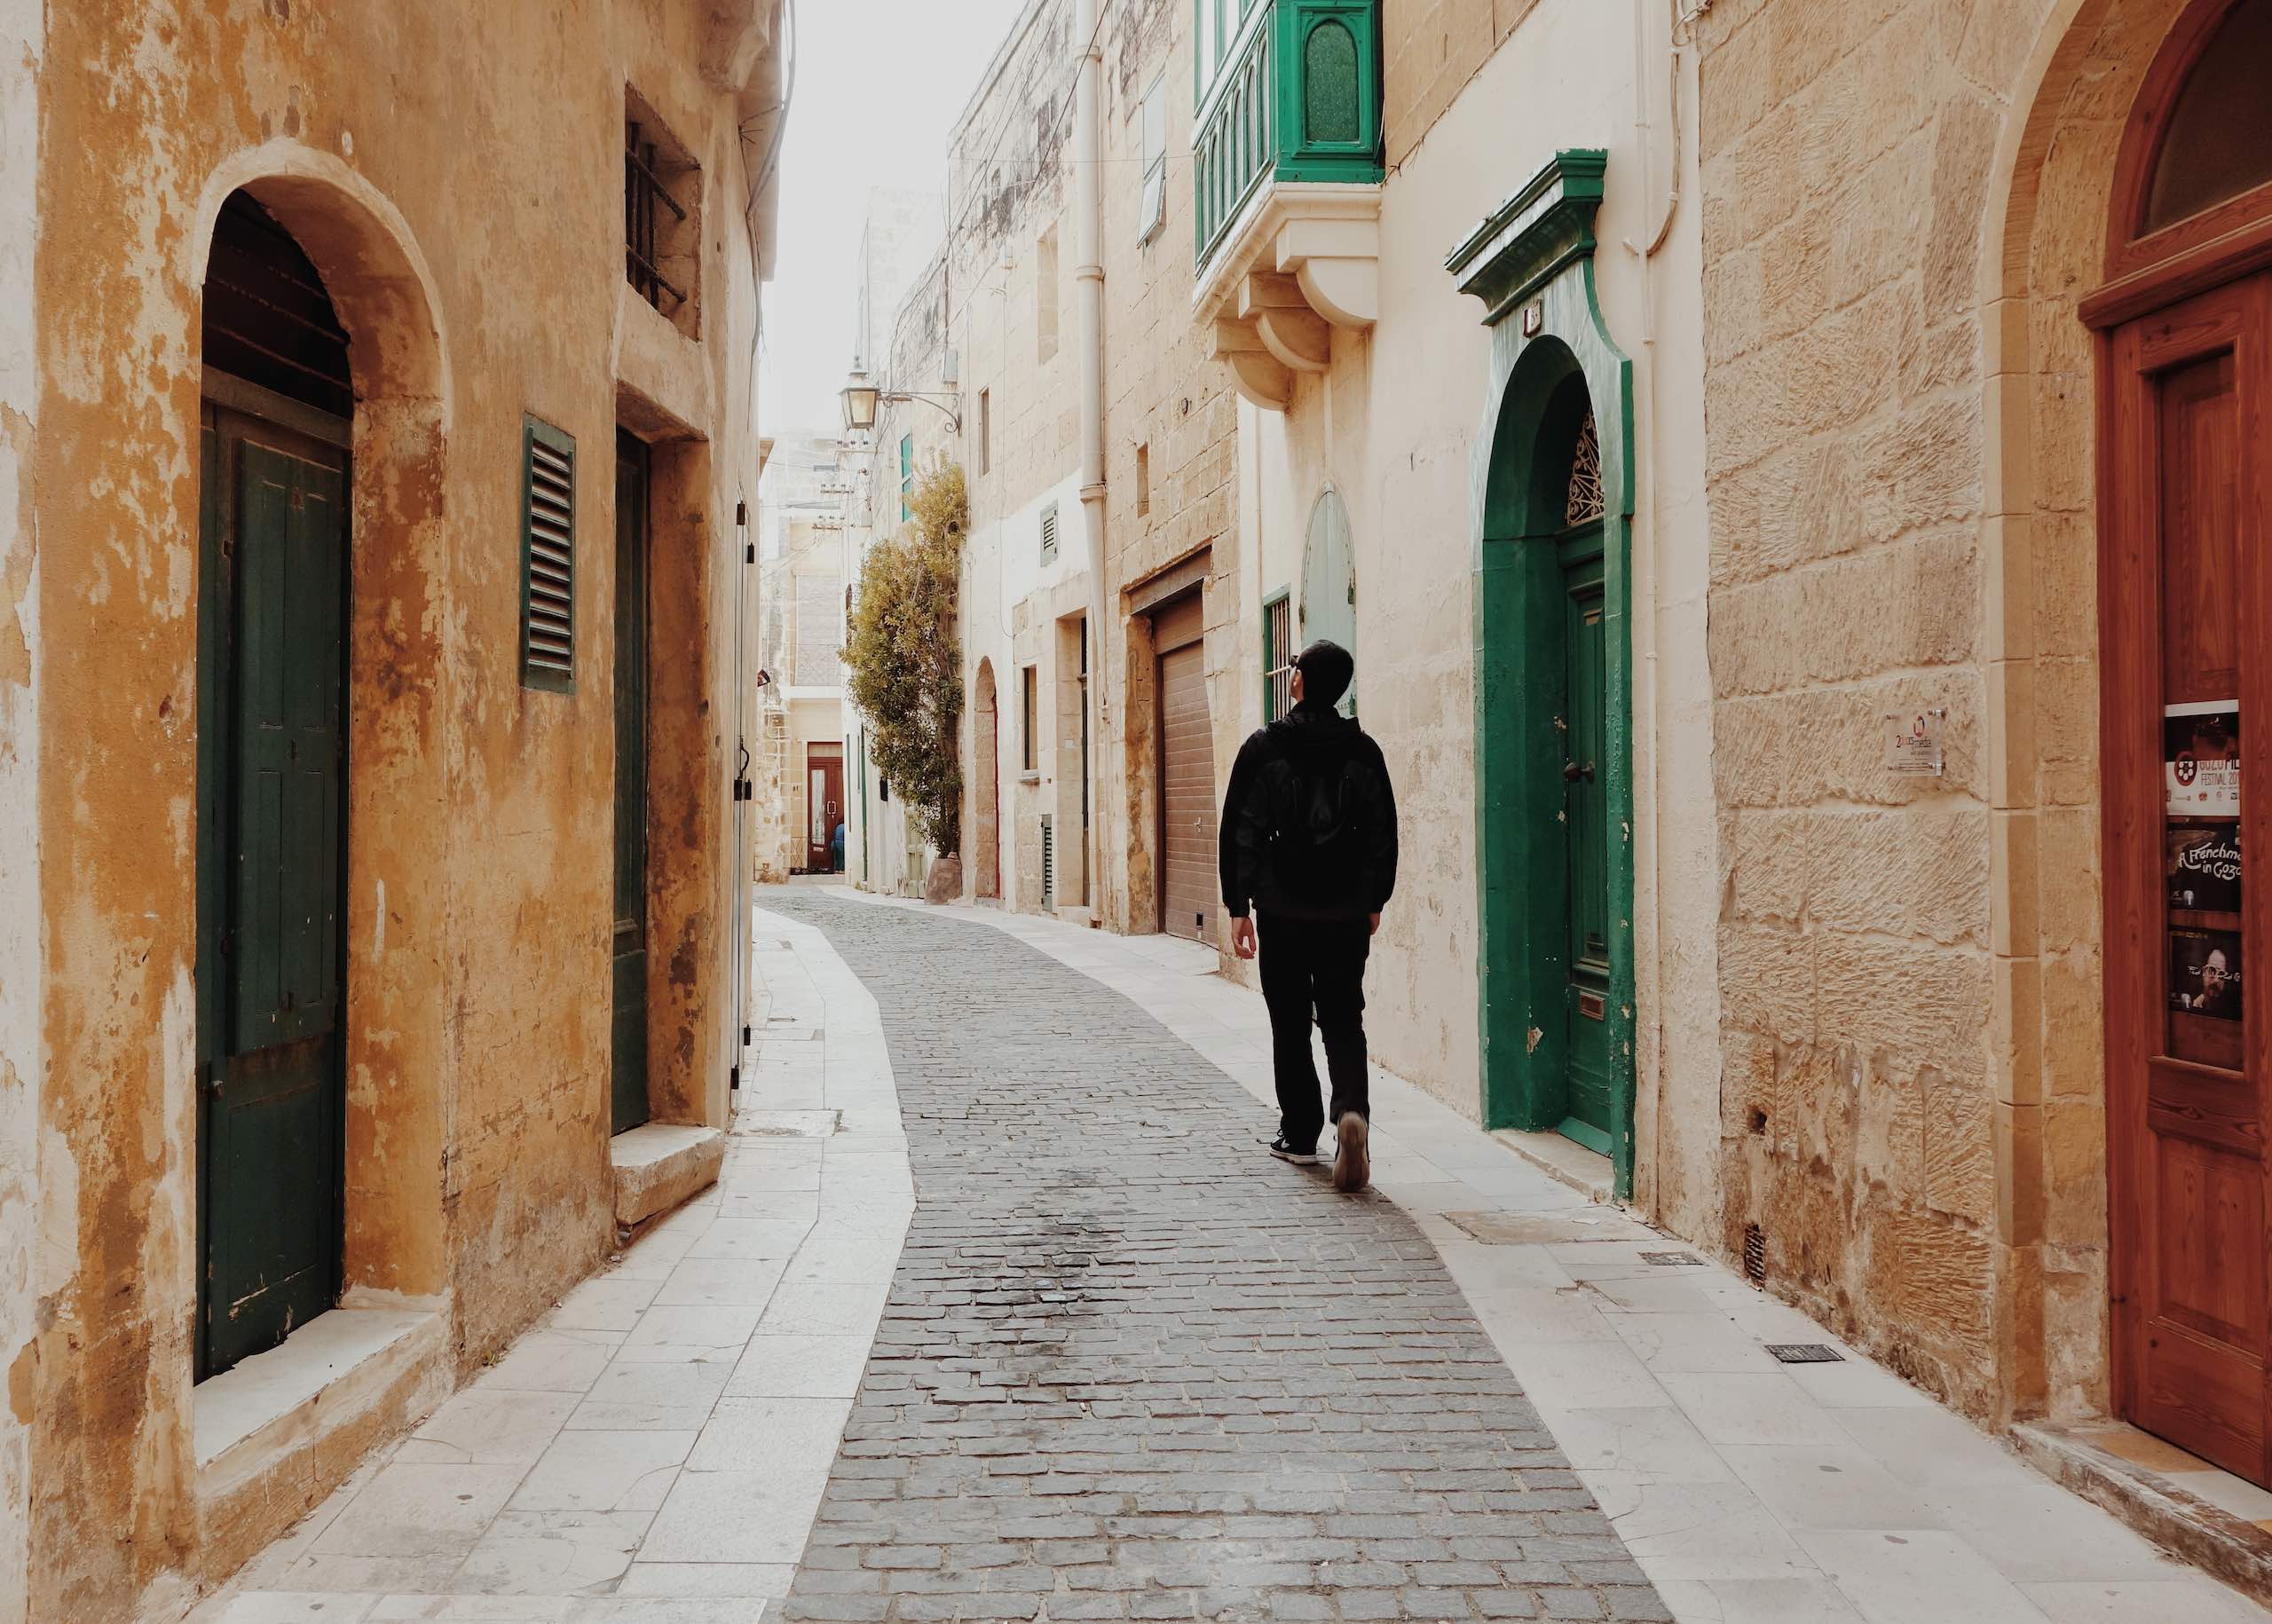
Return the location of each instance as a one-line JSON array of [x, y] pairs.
[[1553, 684], [986, 789], [2125, 291], [322, 883]]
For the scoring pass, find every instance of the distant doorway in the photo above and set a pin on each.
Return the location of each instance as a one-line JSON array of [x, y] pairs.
[[823, 805], [986, 795]]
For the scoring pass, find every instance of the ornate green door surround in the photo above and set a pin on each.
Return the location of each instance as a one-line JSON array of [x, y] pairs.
[[1553, 366]]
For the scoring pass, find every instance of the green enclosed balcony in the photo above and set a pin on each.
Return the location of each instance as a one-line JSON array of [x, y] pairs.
[[1294, 96], [1287, 167]]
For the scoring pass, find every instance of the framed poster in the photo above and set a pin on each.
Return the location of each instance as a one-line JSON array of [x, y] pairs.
[[2203, 866], [2205, 973], [2201, 759]]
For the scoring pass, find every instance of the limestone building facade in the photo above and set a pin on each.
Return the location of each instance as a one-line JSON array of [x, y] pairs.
[[1984, 293], [375, 410]]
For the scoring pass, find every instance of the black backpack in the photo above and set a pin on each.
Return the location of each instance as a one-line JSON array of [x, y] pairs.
[[1313, 838]]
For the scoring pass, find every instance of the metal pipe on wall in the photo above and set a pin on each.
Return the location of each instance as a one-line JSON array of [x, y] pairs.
[[1088, 240]]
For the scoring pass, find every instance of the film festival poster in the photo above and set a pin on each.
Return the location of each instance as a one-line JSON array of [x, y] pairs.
[[2205, 973], [2201, 759], [2203, 867]]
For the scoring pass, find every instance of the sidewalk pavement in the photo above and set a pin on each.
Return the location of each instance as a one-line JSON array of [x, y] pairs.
[[654, 1451], [657, 1448]]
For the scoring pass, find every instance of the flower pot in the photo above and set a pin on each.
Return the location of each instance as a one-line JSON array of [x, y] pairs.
[[943, 883]]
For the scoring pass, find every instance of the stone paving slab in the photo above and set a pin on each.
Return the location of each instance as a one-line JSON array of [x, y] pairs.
[[1131, 1368]]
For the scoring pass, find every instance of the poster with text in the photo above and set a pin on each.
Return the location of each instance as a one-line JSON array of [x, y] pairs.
[[2203, 867], [2205, 973], [2201, 759]]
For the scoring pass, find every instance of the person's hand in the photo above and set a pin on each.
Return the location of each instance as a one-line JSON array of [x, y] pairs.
[[1375, 929], [1242, 938]]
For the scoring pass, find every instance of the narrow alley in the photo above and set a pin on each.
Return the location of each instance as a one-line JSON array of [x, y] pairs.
[[999, 1311]]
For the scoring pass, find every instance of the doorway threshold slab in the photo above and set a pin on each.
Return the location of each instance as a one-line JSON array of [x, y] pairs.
[[337, 1366], [659, 1166], [2196, 1511], [1565, 1160]]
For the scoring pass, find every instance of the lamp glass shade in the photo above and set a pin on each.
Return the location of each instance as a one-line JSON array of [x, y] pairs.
[[859, 399]]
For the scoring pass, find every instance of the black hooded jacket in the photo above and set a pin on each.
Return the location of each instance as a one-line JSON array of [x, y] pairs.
[[1273, 773]]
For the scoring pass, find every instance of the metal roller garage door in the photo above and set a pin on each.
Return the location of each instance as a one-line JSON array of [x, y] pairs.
[[1189, 902]]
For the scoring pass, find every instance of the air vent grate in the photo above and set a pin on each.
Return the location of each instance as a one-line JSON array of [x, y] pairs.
[[1806, 1353], [1048, 864], [1755, 1254]]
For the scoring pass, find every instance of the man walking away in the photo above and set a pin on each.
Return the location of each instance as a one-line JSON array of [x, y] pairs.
[[1308, 840]]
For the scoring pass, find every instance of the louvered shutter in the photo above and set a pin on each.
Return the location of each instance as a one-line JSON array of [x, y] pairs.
[[1049, 533], [547, 557]]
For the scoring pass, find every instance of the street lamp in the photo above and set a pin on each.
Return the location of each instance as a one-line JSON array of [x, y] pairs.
[[862, 399]]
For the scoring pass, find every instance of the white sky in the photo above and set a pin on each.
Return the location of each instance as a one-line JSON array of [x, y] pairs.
[[879, 83]]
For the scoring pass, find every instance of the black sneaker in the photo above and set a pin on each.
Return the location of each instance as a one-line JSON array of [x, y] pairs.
[[1286, 1150]]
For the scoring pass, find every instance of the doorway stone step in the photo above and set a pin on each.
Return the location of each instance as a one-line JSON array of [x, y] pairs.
[[2202, 1515], [659, 1166]]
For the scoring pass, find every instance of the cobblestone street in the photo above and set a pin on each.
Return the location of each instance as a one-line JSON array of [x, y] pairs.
[[1131, 1367]]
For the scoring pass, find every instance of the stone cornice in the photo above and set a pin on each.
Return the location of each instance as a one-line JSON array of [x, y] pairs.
[[1540, 231]]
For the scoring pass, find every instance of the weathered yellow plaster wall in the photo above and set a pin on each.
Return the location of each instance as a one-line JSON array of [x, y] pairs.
[[459, 187]]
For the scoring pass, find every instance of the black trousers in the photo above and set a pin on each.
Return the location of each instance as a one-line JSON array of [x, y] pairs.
[[1316, 965]]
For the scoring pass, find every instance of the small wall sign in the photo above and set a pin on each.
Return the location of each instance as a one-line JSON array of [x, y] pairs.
[[1912, 743], [1534, 318]]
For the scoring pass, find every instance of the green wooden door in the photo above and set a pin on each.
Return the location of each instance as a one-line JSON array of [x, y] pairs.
[[1585, 837], [629, 1059], [271, 778]]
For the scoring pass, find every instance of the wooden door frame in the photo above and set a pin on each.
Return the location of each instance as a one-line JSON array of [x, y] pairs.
[[308, 432], [2157, 275]]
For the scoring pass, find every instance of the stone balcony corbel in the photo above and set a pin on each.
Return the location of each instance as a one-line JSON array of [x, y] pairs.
[[1300, 261]]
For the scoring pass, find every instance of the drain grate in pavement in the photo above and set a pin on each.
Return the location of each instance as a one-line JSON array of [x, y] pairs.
[[1806, 1353], [1672, 1260]]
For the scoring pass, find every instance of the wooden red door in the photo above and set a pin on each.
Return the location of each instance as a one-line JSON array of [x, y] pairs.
[[2185, 646], [823, 805]]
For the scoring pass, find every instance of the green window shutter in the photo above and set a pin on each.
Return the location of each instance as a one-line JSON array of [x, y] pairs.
[[906, 477], [547, 557]]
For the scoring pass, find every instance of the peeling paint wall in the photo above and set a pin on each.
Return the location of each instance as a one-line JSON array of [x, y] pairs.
[[20, 47], [399, 143]]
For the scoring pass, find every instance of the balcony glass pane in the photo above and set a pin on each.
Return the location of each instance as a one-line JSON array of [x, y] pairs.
[[1330, 83]]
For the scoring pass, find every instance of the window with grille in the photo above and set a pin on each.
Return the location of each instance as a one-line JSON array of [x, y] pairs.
[[1049, 533], [906, 477], [547, 557], [985, 430], [662, 235], [1277, 657]]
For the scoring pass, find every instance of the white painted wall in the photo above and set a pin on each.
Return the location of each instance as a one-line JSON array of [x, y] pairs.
[[1393, 425], [22, 40]]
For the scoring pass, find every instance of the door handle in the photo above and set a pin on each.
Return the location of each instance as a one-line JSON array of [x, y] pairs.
[[1572, 772]]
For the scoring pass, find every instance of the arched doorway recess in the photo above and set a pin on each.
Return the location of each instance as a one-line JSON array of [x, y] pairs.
[[323, 854], [1553, 674]]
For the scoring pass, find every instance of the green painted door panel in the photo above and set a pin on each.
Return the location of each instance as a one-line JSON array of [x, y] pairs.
[[628, 1061], [1586, 992], [272, 761]]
